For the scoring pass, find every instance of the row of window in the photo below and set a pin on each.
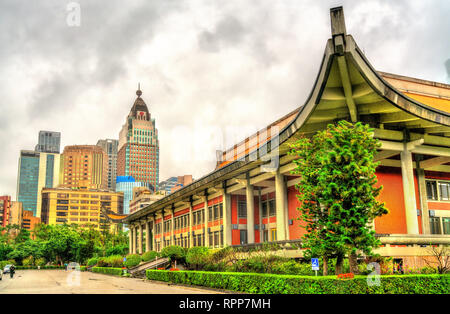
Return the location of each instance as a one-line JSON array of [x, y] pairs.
[[66, 195], [435, 225], [215, 212], [438, 190], [268, 208]]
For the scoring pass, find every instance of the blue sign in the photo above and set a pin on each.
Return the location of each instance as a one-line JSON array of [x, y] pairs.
[[315, 263], [124, 259]]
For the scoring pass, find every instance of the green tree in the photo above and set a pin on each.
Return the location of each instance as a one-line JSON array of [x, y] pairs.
[[337, 192]]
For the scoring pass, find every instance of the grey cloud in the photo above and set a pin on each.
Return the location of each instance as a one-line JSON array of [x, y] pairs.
[[228, 31]]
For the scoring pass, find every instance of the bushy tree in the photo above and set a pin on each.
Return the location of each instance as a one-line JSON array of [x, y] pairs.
[[337, 192]]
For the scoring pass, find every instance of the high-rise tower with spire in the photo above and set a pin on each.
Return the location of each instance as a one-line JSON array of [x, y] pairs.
[[138, 151]]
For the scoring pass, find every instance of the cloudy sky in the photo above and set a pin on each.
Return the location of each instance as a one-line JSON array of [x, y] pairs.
[[210, 71]]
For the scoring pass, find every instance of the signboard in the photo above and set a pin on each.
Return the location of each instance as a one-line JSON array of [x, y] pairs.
[[315, 263]]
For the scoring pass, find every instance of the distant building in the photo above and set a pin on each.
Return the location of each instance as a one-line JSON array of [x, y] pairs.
[[138, 151], [142, 197], [126, 184], [84, 166], [29, 221], [110, 147], [36, 170], [83, 207], [175, 183], [181, 181], [48, 142], [16, 213], [5, 210]]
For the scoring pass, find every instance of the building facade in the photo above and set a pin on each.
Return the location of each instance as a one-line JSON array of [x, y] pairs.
[[84, 207], [29, 221], [138, 152], [142, 197], [251, 198], [126, 184], [84, 166], [48, 142], [36, 170], [110, 147], [5, 210]]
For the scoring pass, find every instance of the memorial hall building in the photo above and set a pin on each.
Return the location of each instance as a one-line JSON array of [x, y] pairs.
[[250, 197]]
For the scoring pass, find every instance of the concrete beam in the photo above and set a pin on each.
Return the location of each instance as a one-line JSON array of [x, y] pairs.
[[432, 162], [384, 154]]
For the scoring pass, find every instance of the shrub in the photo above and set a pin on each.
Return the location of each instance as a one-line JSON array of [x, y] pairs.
[[148, 256], [28, 261], [132, 260], [197, 257], [117, 250], [291, 267], [174, 253], [40, 262], [114, 261], [290, 284], [108, 270], [92, 261]]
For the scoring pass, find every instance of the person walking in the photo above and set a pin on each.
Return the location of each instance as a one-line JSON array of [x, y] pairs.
[[12, 270]]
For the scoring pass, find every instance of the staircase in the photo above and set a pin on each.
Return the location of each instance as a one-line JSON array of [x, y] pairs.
[[139, 270]]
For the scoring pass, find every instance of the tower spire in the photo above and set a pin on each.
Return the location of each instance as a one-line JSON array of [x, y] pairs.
[[139, 92]]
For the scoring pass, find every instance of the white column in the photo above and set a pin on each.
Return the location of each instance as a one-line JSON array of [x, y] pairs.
[[140, 238], [191, 222], [130, 238], [134, 239], [153, 233], [280, 202], [250, 213], [226, 203], [206, 233], [147, 236], [172, 227], [261, 231], [409, 192]]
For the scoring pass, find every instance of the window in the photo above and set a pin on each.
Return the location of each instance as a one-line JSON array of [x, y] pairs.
[[243, 236], [216, 212], [446, 225], [242, 209], [210, 213], [435, 225], [438, 190], [266, 236], [272, 208], [444, 190], [216, 239], [264, 209], [221, 210]]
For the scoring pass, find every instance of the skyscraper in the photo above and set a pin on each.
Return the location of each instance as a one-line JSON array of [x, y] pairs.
[[84, 166], [48, 142], [36, 170], [138, 154], [110, 147]]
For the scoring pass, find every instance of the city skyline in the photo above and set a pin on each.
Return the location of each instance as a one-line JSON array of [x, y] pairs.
[[252, 81]]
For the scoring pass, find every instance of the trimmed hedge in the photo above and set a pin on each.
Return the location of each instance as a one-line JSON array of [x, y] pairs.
[[108, 270], [290, 284], [42, 267]]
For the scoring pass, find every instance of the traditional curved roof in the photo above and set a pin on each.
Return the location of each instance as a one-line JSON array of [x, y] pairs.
[[346, 87]]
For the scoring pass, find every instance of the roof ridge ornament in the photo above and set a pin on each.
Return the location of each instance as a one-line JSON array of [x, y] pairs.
[[338, 29]]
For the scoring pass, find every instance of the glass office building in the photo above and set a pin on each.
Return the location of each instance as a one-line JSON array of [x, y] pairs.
[[126, 184], [36, 170], [48, 142]]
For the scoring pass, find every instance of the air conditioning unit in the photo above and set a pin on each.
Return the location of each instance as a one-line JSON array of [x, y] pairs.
[[431, 213]]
